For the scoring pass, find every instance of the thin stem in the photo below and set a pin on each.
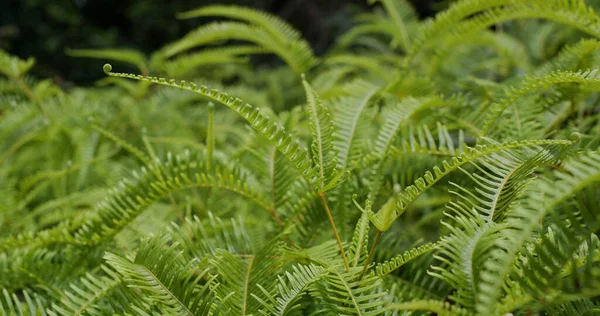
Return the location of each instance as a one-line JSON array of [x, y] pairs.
[[364, 269], [210, 139], [179, 211], [335, 232], [210, 145]]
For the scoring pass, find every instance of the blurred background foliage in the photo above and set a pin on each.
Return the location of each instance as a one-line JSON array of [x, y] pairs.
[[44, 29]]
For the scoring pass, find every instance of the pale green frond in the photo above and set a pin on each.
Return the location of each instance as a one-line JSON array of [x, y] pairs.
[[462, 17]]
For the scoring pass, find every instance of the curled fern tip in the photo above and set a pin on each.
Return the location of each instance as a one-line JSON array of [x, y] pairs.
[[107, 68]]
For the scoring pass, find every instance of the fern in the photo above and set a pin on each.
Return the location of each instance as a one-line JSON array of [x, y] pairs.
[[470, 140]]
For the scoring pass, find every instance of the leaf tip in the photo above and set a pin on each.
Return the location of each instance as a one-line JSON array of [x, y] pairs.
[[107, 68]]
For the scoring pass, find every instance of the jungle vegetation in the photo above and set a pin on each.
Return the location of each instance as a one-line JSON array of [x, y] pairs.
[[446, 166]]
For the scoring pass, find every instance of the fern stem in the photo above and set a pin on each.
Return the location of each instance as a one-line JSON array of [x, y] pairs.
[[210, 138], [246, 281], [335, 232], [375, 242]]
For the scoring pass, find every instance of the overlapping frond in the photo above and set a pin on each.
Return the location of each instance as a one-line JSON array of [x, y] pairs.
[[168, 283]]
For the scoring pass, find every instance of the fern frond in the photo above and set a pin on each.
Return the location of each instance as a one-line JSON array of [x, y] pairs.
[[385, 217], [583, 171], [274, 132], [346, 294], [291, 287], [10, 304], [588, 77], [132, 197], [324, 152], [204, 237], [387, 267], [572, 58], [86, 294], [400, 12], [165, 280], [351, 118], [279, 29], [241, 275], [440, 308], [462, 17], [296, 53]]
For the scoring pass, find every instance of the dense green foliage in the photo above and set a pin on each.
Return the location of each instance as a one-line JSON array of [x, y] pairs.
[[446, 166]]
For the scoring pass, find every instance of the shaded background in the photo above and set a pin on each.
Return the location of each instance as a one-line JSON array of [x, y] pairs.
[[43, 28]]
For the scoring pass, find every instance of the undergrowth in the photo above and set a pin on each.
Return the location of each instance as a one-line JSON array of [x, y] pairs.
[[445, 166]]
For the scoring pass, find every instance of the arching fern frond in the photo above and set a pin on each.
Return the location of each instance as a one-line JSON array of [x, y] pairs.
[[274, 132], [295, 52], [276, 27]]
